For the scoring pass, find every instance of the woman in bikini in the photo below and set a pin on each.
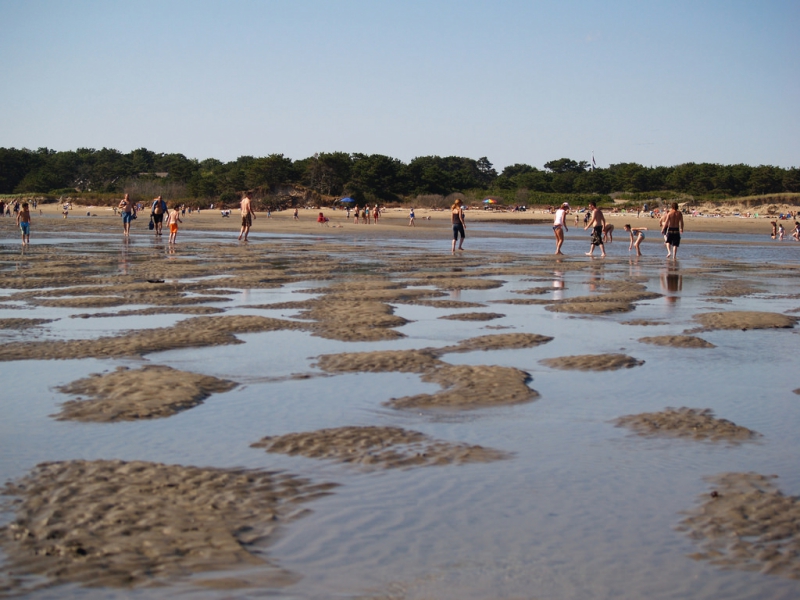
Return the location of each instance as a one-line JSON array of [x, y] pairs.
[[636, 237]]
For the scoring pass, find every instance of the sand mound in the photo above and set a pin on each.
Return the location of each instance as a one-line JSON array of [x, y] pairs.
[[151, 392], [473, 316], [498, 341], [402, 361], [592, 362], [191, 333], [444, 282], [468, 387], [686, 422], [22, 323], [445, 303], [677, 341], [743, 319], [747, 523], [591, 308], [114, 523], [735, 289], [388, 447], [536, 291], [153, 310], [643, 322]]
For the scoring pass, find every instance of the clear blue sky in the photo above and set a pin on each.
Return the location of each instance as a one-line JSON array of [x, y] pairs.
[[658, 83]]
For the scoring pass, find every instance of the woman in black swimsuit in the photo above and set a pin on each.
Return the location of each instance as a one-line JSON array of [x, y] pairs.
[[457, 217]]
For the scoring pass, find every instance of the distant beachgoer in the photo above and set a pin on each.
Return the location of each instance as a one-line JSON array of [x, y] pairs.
[[376, 213], [24, 223], [608, 232], [796, 234], [247, 216], [411, 218], [577, 219], [127, 211], [774, 229], [597, 223], [560, 225], [674, 225], [355, 215], [157, 211], [637, 237], [459, 227], [2, 208], [296, 215], [173, 219], [322, 219], [781, 232]]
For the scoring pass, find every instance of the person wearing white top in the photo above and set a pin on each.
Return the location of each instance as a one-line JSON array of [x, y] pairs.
[[560, 226]]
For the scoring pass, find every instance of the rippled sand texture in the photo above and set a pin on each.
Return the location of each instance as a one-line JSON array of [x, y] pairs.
[[687, 422], [147, 393], [387, 447], [114, 523], [747, 523]]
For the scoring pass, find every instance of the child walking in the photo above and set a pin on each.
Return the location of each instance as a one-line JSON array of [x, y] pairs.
[[174, 219]]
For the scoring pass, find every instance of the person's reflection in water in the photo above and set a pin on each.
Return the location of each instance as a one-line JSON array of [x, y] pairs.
[[672, 283], [455, 294], [123, 258], [558, 285], [595, 277]]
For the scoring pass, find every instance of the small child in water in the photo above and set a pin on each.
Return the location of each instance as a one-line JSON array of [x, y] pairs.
[[174, 219], [636, 237], [24, 223]]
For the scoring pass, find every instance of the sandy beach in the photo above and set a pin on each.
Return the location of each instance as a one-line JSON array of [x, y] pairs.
[[352, 409]]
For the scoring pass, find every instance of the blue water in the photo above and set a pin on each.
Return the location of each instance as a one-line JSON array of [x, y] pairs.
[[582, 510]]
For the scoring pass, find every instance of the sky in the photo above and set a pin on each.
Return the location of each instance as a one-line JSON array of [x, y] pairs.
[[651, 82]]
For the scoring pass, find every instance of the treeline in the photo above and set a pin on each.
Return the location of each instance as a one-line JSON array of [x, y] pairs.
[[367, 177]]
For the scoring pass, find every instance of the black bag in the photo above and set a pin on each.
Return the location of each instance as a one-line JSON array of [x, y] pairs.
[[151, 225]]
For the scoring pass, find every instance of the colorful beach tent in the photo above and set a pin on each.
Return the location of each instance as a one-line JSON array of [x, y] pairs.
[[490, 201]]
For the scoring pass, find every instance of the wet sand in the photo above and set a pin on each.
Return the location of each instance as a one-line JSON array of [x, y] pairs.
[[82, 521]]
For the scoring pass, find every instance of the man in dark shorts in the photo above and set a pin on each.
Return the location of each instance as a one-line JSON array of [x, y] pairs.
[[674, 224], [247, 216], [157, 211], [597, 223]]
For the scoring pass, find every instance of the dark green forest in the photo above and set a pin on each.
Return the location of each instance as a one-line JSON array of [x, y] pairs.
[[369, 177]]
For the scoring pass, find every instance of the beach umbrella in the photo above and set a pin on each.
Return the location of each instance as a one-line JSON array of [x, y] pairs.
[[348, 199], [489, 201]]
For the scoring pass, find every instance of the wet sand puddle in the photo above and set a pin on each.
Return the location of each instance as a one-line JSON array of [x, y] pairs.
[[390, 421]]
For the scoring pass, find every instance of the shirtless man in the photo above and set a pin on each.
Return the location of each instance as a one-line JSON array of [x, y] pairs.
[[247, 216], [157, 211], [674, 225], [560, 226], [127, 211], [597, 223]]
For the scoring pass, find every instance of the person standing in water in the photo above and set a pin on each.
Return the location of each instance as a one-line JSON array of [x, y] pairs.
[[459, 227], [247, 216], [174, 218], [560, 226], [126, 209], [597, 223], [411, 218], [24, 223], [637, 237], [674, 225]]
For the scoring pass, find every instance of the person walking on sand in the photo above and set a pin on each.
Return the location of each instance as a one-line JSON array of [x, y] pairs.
[[560, 225], [296, 215], [459, 227], [173, 219], [126, 209], [24, 223], [637, 237], [157, 211], [375, 214], [597, 222], [674, 225], [247, 216], [411, 218]]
